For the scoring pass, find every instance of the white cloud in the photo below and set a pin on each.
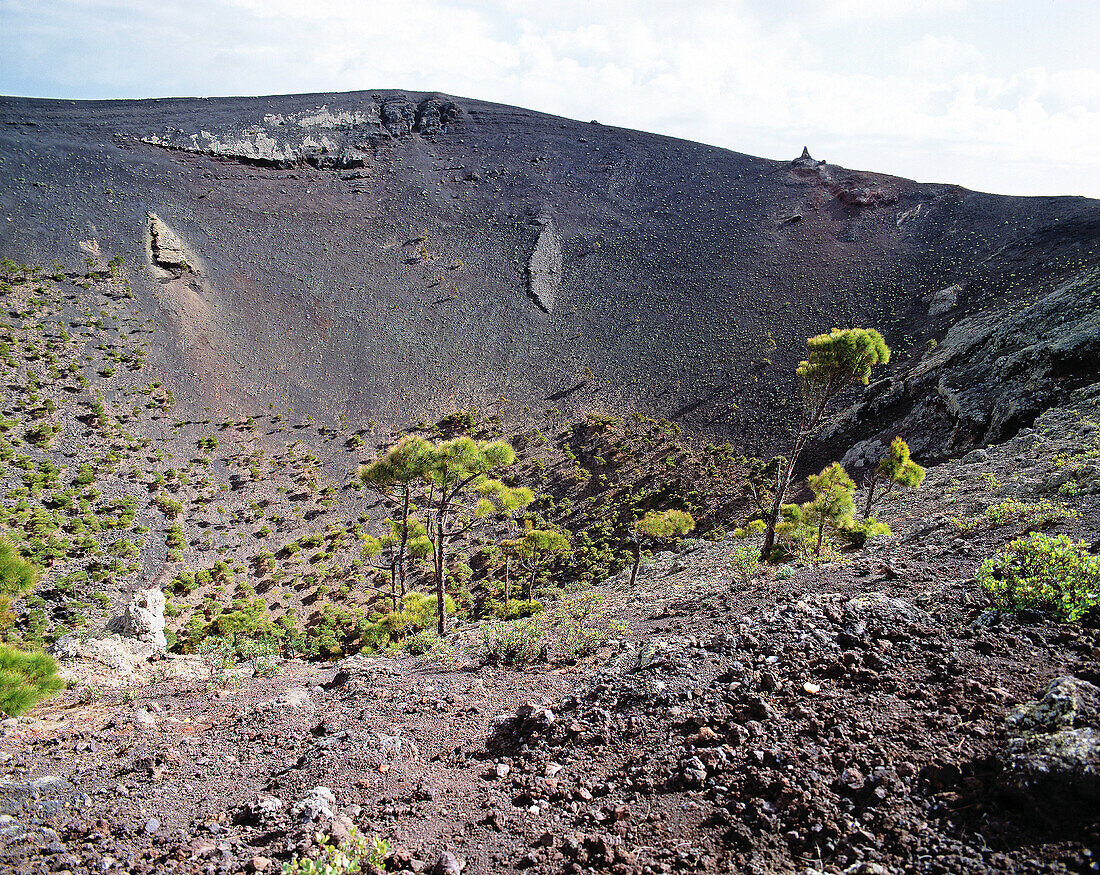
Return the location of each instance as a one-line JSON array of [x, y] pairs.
[[932, 53]]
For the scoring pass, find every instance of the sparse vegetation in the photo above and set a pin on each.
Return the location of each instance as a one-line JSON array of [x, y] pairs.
[[657, 526]]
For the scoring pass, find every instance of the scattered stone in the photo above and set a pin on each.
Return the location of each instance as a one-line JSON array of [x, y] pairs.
[[262, 810], [447, 864], [318, 804]]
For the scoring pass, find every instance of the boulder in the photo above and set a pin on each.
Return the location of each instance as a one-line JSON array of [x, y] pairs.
[[318, 804], [1052, 756], [944, 301], [83, 660], [143, 620], [167, 249]]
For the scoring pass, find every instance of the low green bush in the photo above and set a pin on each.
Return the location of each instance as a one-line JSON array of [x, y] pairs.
[[1012, 510], [1039, 572], [356, 853], [514, 643], [518, 609]]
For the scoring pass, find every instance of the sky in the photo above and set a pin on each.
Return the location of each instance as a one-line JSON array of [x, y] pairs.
[[995, 95]]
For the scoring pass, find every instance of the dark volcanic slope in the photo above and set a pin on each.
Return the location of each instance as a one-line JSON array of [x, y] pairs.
[[389, 256]]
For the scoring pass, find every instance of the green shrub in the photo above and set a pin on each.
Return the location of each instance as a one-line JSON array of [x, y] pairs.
[[745, 562], [25, 678], [426, 641], [356, 853], [585, 625], [1043, 573], [1012, 510], [518, 609], [514, 643]]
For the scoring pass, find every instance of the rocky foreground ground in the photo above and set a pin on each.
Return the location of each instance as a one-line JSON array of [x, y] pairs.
[[869, 715]]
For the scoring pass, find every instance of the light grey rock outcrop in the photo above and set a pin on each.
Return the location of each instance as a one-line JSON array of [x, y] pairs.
[[544, 266], [166, 247], [143, 620]]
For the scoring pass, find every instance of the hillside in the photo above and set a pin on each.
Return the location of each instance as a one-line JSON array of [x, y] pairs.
[[843, 718], [393, 257]]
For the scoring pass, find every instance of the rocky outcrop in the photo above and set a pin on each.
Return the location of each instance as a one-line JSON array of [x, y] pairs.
[[545, 265], [121, 657], [944, 301], [806, 160], [992, 375], [143, 620], [434, 115], [111, 661], [166, 248], [332, 137], [1053, 751], [257, 147]]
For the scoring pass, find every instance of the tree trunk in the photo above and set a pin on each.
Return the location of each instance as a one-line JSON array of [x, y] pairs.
[[637, 561], [870, 496], [783, 481], [811, 417], [393, 583], [820, 533], [531, 582], [404, 538], [440, 595], [507, 579]]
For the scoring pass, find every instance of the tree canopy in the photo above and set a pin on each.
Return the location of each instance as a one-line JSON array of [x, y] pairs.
[[658, 525]]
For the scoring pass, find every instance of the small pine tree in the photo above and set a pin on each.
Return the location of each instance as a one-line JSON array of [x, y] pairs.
[[657, 526], [833, 500], [532, 549], [895, 469]]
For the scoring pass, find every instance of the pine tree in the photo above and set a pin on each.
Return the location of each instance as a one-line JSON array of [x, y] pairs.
[[895, 469], [462, 494], [395, 476], [25, 677], [834, 362], [532, 549], [657, 526], [833, 500]]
